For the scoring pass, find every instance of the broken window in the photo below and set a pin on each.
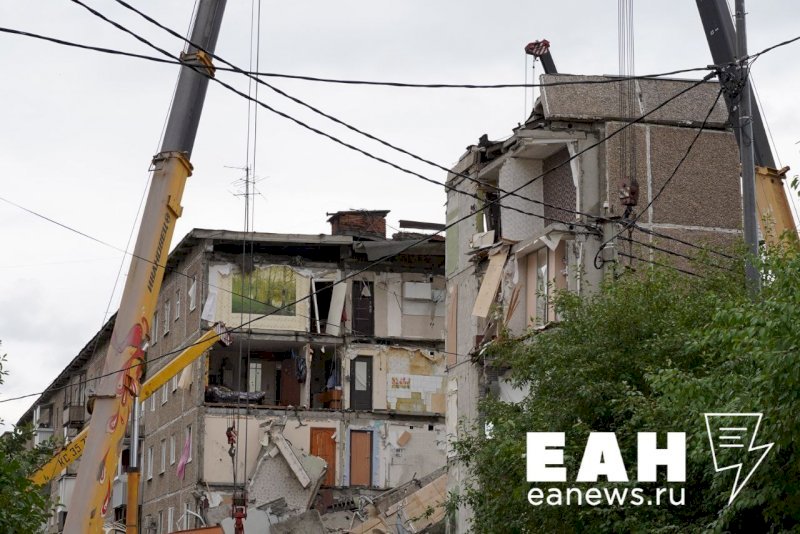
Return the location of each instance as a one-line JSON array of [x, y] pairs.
[[363, 309], [322, 292], [492, 215], [546, 272]]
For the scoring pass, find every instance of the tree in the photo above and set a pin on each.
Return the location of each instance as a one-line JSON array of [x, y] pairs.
[[23, 506], [650, 352]]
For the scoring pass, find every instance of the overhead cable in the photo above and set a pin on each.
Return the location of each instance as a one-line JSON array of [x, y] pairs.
[[301, 77], [355, 129], [332, 137]]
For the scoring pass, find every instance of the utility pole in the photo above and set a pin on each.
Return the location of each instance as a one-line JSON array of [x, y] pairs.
[[747, 156], [120, 384]]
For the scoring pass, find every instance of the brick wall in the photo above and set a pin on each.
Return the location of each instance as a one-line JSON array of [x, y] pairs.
[[359, 223]]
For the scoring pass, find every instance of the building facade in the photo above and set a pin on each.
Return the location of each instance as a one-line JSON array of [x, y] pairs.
[[563, 227], [330, 383]]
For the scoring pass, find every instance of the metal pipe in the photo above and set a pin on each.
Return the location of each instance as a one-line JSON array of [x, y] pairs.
[[134, 475], [747, 156]]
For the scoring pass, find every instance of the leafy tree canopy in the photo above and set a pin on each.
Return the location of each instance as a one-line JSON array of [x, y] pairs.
[[651, 352], [23, 506]]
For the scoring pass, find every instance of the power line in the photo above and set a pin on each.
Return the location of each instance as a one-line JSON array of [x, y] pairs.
[[658, 264], [353, 274], [332, 137], [384, 258], [357, 130], [154, 59], [682, 241], [675, 253], [347, 125], [757, 55], [370, 155], [388, 256]]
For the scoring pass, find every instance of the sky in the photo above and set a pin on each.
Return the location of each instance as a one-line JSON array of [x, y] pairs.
[[78, 129]]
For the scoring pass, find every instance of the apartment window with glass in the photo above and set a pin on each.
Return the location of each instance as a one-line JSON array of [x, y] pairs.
[[154, 329], [149, 463], [254, 378], [189, 439], [166, 317], [177, 304], [193, 294], [172, 449], [164, 394], [163, 456]]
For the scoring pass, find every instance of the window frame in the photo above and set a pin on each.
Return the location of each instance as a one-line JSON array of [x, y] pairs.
[[192, 294], [150, 463], [166, 317]]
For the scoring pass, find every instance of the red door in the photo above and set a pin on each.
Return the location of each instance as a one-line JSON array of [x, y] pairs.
[[324, 446]]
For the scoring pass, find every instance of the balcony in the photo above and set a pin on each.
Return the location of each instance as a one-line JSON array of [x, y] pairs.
[[119, 491], [74, 416]]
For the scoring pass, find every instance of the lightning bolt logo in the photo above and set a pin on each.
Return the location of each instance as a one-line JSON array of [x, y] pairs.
[[727, 434]]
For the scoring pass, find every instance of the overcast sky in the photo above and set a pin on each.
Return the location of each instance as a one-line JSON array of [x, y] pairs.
[[78, 129]]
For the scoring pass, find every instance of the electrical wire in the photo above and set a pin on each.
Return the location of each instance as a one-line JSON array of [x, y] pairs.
[[154, 59], [384, 258], [341, 122], [682, 241], [684, 271], [676, 254], [379, 260], [374, 263], [368, 154]]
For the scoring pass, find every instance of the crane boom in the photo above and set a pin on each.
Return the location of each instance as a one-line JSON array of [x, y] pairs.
[[117, 390], [772, 205]]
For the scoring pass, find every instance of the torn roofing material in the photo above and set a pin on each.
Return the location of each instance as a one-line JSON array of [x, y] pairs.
[[600, 101]]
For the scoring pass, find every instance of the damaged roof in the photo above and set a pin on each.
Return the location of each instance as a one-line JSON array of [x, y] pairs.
[[600, 101]]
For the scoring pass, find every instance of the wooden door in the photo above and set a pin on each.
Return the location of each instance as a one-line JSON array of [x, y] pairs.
[[324, 446], [363, 309], [360, 458], [290, 387], [361, 383]]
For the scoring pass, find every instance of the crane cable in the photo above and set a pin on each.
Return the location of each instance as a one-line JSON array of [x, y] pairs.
[[629, 185]]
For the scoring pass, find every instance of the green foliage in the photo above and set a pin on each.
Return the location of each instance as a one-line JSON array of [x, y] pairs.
[[651, 352], [23, 506]]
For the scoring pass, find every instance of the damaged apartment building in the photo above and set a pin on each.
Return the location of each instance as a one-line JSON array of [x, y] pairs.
[[573, 195], [328, 389]]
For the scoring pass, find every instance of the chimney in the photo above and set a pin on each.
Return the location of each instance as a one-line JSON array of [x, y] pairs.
[[359, 223]]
